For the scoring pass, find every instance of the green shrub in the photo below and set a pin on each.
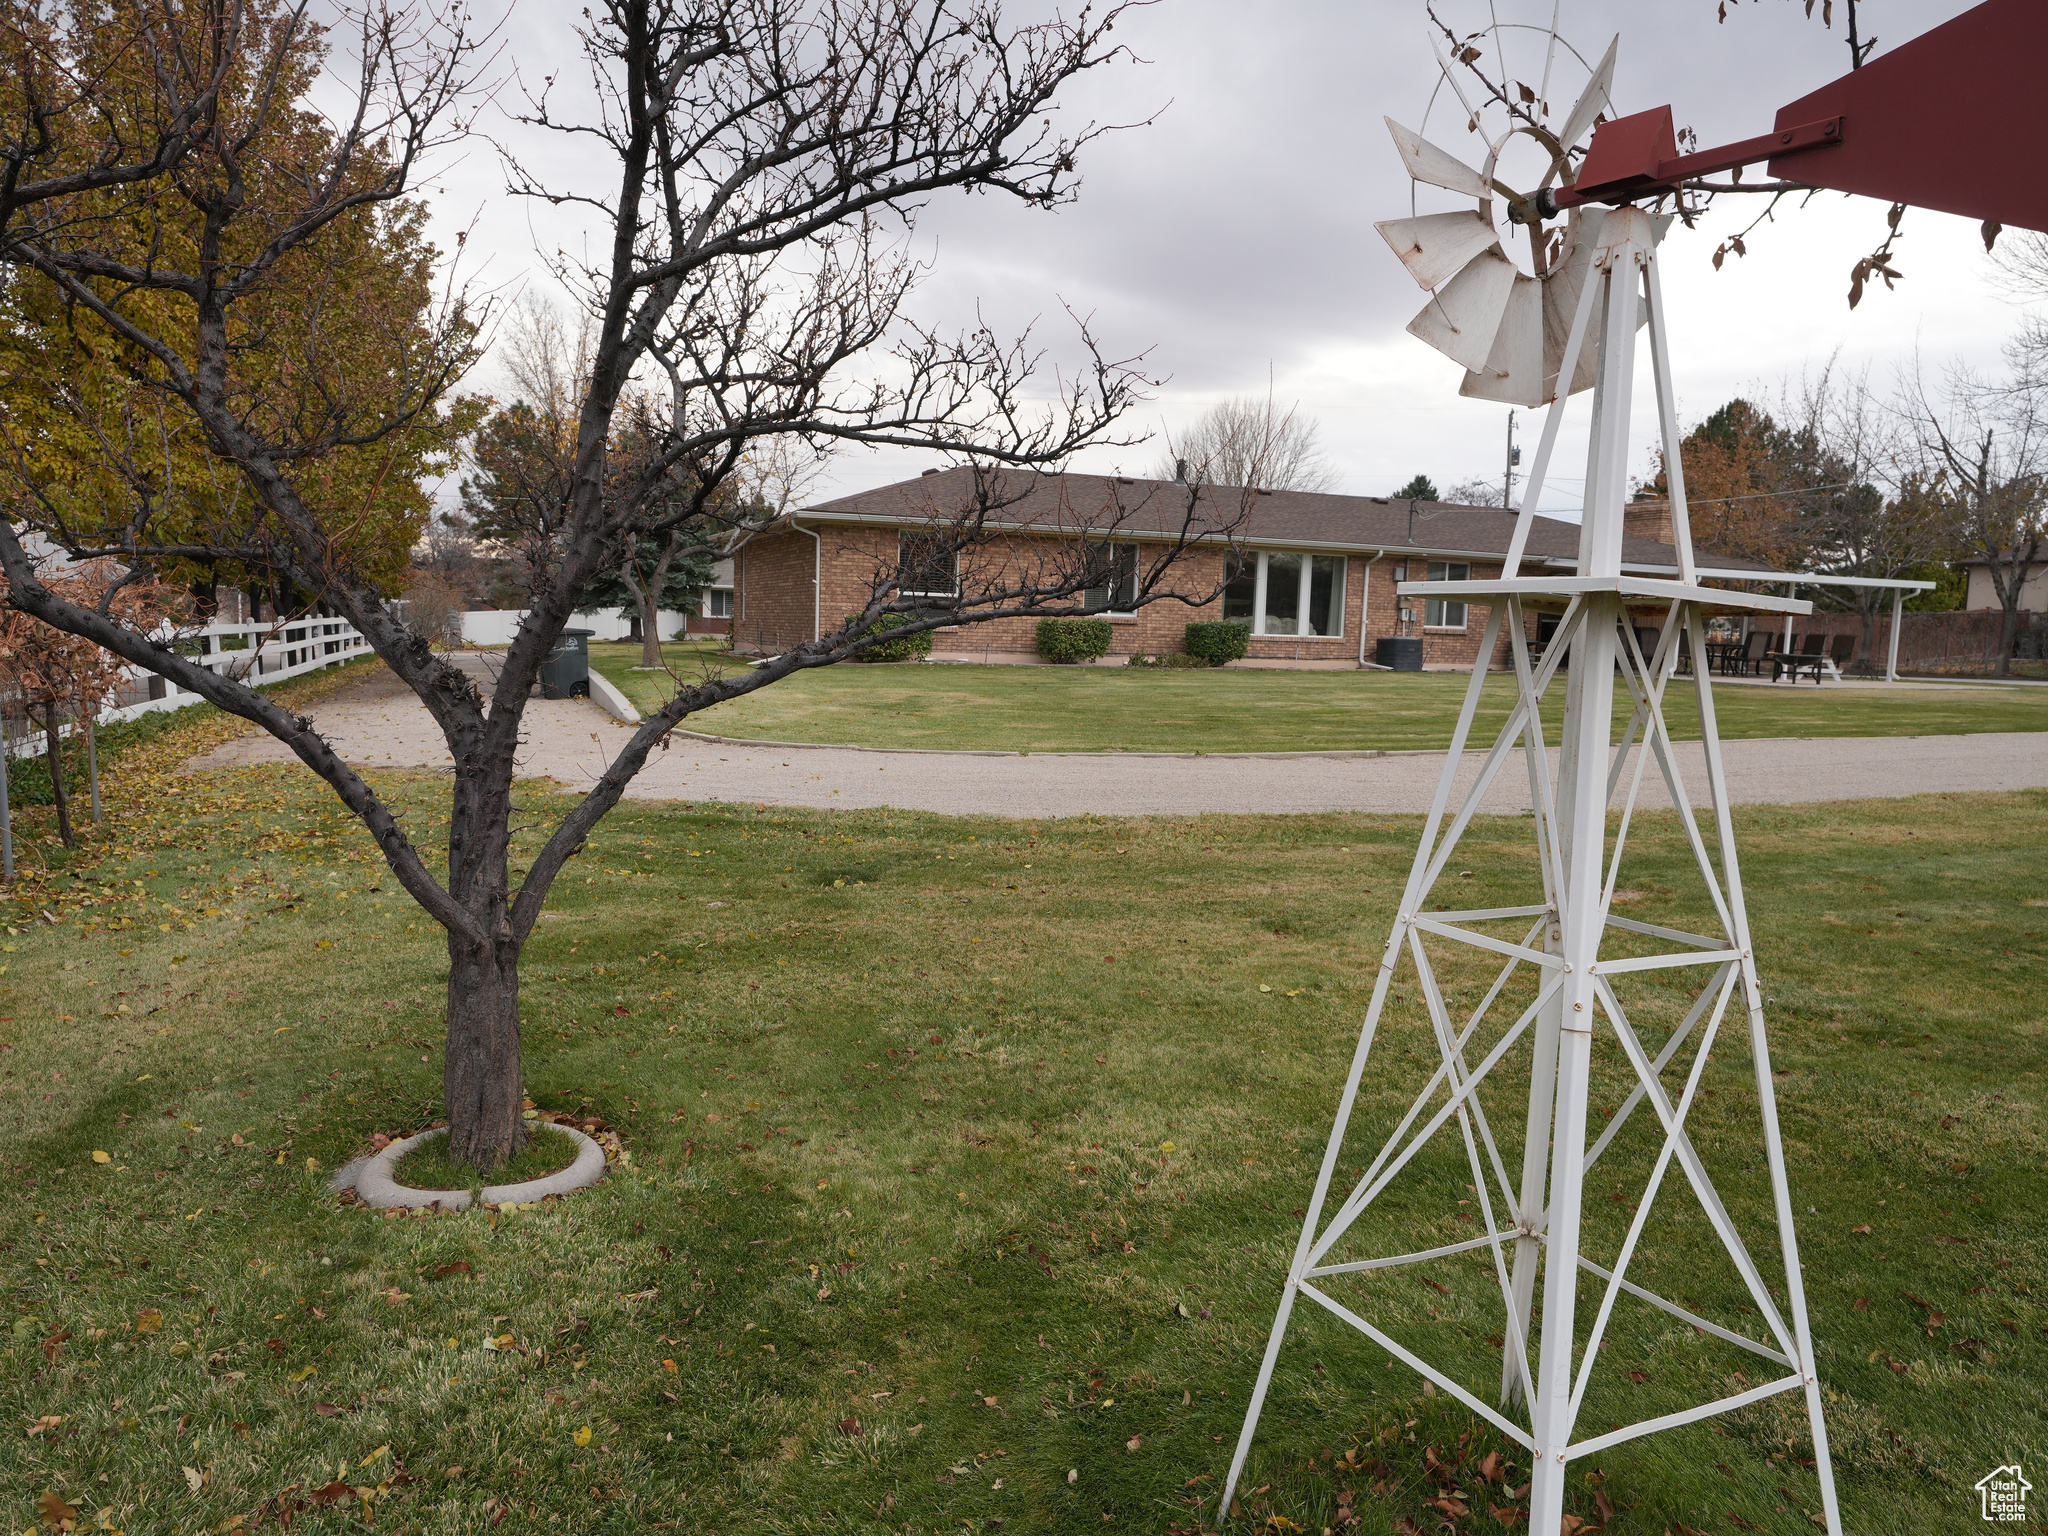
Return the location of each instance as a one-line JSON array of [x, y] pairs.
[[1219, 640], [902, 648], [1066, 641]]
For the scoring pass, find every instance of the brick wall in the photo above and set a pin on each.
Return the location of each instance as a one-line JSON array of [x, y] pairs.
[[772, 604]]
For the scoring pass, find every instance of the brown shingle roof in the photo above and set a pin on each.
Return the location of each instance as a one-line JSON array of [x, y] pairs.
[[1356, 524]]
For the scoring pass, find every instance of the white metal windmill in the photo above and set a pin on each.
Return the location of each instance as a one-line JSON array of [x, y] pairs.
[[1578, 988]]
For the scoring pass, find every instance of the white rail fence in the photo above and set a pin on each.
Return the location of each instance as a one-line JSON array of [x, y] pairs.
[[257, 654]]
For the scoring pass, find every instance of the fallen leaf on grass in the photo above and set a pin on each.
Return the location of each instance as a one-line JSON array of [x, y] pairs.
[[149, 1320], [459, 1267], [332, 1493], [582, 1435], [850, 1428], [101, 1157], [56, 1513]]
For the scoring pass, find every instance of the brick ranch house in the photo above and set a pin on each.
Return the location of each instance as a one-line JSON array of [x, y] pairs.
[[1316, 579]]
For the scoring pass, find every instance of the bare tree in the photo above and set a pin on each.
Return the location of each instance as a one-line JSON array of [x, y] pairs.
[[1862, 514], [1980, 471], [1474, 493], [1236, 441], [764, 160]]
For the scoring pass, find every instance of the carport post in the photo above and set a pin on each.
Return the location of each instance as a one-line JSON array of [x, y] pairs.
[[1791, 590], [1891, 661]]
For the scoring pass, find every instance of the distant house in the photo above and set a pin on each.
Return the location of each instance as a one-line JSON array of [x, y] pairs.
[[2033, 591], [714, 609], [1315, 582]]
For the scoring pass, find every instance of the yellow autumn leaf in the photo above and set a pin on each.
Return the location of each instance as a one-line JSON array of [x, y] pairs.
[[1166, 1146], [380, 1451], [149, 1320], [582, 1436], [301, 1375], [102, 1157]]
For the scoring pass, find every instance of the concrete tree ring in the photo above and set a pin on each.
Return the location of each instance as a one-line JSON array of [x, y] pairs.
[[375, 1185]]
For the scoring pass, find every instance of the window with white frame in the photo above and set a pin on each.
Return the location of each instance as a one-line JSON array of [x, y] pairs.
[[927, 565], [718, 603], [1284, 592], [1443, 612], [1112, 577]]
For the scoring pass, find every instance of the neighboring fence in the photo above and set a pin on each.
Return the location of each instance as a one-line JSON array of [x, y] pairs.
[[256, 654], [497, 626], [1963, 641]]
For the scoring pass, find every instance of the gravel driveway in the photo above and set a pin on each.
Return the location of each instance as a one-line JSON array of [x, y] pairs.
[[381, 724]]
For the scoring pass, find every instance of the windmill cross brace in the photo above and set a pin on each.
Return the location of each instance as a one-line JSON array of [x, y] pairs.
[[1634, 156]]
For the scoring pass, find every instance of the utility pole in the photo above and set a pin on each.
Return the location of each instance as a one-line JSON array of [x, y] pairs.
[[1507, 494]]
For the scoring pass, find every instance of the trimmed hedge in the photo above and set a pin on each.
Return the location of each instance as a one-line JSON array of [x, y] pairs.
[[1219, 640], [1066, 641], [903, 648]]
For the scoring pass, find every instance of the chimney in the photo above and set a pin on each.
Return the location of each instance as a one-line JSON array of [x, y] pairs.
[[1180, 471], [929, 472], [1647, 520]]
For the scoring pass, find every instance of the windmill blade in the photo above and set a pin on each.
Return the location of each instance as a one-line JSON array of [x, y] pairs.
[[1437, 245], [1437, 167], [1592, 99], [1513, 372], [1561, 289], [1461, 317]]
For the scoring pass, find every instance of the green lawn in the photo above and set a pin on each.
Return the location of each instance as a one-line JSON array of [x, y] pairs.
[[1093, 709], [901, 1244]]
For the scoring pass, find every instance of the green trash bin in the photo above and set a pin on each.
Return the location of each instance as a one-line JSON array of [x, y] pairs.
[[566, 672]]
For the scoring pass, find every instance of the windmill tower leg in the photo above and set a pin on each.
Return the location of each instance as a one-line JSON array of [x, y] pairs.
[[1583, 814]]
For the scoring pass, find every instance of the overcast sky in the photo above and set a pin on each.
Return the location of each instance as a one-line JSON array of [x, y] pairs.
[[1234, 237]]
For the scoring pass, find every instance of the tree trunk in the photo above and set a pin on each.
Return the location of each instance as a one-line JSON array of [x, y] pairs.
[[56, 751], [650, 632], [480, 1081], [2008, 630]]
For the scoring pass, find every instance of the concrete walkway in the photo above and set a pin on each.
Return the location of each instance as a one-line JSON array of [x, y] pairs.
[[380, 724]]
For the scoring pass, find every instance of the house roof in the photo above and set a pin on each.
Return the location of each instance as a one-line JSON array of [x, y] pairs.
[[1304, 519]]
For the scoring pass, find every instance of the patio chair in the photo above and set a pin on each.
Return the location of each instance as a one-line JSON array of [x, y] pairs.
[[1840, 649], [1749, 661]]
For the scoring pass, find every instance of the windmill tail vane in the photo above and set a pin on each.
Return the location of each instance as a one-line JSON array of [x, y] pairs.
[[1493, 1031]]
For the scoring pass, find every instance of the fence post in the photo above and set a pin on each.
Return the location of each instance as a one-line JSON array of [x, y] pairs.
[[6, 816], [92, 761]]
